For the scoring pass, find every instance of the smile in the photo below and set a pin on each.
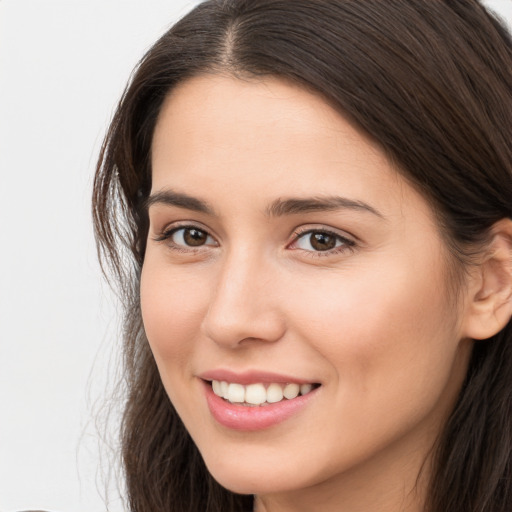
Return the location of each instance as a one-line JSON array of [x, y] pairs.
[[259, 394], [255, 405]]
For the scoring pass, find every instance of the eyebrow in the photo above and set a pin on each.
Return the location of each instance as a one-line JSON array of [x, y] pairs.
[[171, 198], [278, 208], [293, 206]]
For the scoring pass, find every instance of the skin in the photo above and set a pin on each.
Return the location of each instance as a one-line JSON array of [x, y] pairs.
[[374, 321]]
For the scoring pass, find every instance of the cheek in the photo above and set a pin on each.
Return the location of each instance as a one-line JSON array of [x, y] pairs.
[[391, 341], [384, 326], [172, 306]]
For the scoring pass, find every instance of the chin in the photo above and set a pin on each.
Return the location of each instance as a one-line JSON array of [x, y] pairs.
[[251, 484], [253, 478]]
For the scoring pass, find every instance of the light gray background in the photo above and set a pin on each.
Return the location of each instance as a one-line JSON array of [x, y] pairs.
[[63, 65]]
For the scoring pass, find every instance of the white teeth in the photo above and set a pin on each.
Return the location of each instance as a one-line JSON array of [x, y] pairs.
[[305, 388], [217, 387], [274, 393], [255, 394], [258, 394], [236, 393], [224, 390], [291, 391]]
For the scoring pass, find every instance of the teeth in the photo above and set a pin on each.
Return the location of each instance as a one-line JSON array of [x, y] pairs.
[[255, 394], [217, 387], [291, 391], [236, 393], [274, 393], [305, 388], [224, 390], [258, 394]]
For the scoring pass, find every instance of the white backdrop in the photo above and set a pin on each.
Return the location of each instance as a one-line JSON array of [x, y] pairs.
[[63, 65]]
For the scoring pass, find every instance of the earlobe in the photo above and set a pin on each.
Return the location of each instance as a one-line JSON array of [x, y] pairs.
[[490, 298]]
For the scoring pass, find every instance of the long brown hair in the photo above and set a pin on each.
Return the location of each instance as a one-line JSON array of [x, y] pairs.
[[428, 80]]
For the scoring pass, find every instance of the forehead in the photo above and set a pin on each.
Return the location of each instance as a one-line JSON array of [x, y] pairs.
[[245, 113], [266, 139]]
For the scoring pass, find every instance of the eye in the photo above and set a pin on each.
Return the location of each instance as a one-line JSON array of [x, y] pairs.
[[191, 237], [187, 237], [320, 240]]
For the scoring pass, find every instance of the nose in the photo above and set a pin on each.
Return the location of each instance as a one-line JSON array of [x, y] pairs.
[[244, 306]]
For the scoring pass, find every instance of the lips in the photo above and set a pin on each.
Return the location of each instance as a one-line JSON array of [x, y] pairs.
[[255, 400]]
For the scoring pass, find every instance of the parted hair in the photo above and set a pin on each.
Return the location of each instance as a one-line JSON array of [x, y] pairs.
[[430, 81]]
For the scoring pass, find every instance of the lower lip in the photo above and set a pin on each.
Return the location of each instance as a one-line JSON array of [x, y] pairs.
[[241, 417]]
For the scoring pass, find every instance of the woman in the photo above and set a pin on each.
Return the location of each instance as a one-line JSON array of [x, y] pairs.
[[308, 206]]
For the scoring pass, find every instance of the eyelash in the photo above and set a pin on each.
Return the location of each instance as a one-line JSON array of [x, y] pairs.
[[166, 236], [345, 245]]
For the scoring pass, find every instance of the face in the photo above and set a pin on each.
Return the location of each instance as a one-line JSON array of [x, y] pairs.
[[292, 271]]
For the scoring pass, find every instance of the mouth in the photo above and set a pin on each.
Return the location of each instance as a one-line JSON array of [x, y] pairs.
[[259, 394]]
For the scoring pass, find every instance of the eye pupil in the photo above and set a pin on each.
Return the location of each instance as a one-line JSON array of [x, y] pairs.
[[322, 241], [194, 237]]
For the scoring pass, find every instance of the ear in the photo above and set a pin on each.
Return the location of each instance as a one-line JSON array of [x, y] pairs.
[[490, 287]]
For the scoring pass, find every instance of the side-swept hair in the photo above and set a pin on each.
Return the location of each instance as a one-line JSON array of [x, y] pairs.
[[431, 82]]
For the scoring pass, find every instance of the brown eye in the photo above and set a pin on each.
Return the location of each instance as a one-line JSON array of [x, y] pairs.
[[190, 237], [194, 237], [322, 241], [319, 240]]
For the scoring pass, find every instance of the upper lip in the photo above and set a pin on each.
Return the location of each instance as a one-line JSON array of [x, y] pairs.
[[251, 377]]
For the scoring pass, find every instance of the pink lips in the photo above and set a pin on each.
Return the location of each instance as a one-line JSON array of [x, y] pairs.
[[249, 377], [241, 417]]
